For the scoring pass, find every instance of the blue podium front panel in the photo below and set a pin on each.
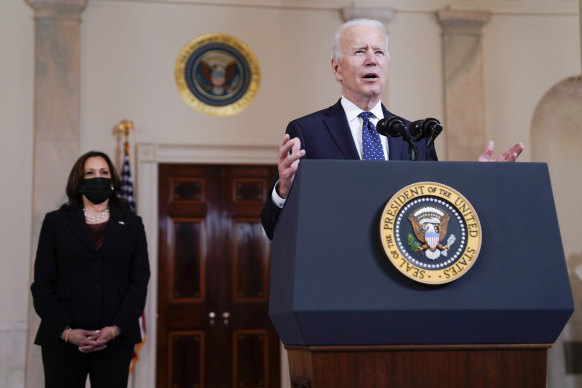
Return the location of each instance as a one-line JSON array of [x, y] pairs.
[[332, 283]]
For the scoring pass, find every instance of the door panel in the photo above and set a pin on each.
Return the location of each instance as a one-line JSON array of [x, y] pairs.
[[251, 355], [187, 267], [186, 361], [214, 263]]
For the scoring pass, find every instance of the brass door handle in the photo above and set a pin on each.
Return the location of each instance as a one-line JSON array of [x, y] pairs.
[[225, 316]]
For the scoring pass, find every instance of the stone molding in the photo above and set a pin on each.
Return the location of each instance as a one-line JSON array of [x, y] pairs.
[[58, 9], [385, 15], [462, 22]]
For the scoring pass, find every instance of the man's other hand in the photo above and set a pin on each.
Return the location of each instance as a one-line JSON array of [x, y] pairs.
[[508, 156]]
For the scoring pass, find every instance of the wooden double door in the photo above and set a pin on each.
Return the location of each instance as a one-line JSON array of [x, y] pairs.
[[213, 266]]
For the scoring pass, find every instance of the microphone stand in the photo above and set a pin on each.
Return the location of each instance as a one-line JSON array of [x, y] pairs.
[[412, 149]]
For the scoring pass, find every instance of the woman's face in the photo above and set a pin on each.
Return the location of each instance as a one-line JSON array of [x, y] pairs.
[[96, 167]]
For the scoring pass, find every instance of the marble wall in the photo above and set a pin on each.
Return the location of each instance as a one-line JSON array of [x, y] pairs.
[[557, 140], [12, 354]]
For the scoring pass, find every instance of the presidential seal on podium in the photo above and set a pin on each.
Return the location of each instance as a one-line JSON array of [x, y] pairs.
[[430, 233], [217, 74]]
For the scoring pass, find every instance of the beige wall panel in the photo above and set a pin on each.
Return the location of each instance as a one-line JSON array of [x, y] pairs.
[[16, 120], [16, 132], [415, 79], [524, 57], [134, 77]]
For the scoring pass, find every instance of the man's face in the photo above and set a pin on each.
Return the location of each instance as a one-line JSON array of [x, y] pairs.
[[363, 69]]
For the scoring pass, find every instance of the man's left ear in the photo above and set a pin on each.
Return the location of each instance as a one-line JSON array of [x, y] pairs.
[[335, 69]]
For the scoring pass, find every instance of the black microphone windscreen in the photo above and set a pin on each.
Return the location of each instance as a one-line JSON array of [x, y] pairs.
[[431, 127], [416, 130], [391, 126]]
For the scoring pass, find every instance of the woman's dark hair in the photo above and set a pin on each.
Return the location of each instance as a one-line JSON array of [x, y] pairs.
[[75, 182]]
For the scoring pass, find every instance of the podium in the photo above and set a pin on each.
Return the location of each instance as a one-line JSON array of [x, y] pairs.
[[348, 318]]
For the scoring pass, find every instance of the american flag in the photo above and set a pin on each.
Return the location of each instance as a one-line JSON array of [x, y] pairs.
[[126, 180], [137, 348], [127, 194]]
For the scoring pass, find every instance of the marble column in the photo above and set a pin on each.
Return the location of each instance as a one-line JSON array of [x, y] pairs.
[[464, 83], [57, 26]]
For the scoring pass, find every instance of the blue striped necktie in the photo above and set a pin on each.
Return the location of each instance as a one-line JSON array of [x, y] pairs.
[[371, 144]]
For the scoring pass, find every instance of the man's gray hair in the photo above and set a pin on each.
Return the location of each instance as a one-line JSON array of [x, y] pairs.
[[336, 46]]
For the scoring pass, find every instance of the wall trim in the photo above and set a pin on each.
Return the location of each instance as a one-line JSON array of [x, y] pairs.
[[521, 7], [206, 154]]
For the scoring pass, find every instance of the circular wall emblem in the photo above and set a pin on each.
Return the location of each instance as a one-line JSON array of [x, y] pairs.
[[217, 74], [430, 233]]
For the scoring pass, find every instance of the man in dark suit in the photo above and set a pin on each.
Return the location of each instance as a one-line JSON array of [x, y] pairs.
[[360, 65]]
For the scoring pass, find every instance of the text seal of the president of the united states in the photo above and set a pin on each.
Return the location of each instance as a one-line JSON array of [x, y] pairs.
[[430, 232]]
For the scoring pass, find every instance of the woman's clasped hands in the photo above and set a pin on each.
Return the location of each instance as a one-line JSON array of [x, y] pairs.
[[89, 341]]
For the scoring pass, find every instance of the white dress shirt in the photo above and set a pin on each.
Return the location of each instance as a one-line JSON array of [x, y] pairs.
[[356, 123]]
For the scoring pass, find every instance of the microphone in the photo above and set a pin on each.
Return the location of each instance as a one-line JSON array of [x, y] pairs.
[[432, 128], [428, 128], [416, 130], [394, 127]]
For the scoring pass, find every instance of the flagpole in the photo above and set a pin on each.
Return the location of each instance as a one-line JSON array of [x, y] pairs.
[[125, 126]]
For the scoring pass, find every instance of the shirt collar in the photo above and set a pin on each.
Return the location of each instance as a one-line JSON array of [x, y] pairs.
[[352, 110]]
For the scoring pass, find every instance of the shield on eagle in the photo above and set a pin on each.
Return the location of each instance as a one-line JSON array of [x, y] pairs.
[[432, 239]]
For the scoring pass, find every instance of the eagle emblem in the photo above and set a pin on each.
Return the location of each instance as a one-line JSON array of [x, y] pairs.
[[218, 78], [217, 73], [429, 225]]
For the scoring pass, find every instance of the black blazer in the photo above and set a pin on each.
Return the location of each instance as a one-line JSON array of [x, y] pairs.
[[75, 285], [326, 135]]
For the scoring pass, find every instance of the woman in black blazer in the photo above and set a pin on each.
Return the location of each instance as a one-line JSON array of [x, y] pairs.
[[90, 281]]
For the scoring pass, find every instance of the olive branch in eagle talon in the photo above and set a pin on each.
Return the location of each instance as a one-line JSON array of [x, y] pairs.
[[413, 243], [422, 231]]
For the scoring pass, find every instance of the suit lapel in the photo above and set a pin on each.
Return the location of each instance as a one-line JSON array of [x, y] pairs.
[[395, 144], [77, 226], [115, 229], [339, 130]]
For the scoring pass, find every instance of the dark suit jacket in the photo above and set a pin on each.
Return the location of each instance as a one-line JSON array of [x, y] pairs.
[[326, 135], [75, 285]]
